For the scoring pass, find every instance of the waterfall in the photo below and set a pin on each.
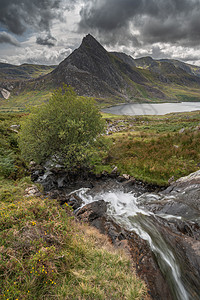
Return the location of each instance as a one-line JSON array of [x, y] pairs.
[[124, 209]]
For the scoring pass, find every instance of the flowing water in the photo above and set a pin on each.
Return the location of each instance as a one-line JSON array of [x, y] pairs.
[[125, 210]]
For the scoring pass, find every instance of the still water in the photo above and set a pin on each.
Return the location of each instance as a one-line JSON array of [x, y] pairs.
[[152, 108]]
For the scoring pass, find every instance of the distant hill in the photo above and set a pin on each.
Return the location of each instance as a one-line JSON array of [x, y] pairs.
[[9, 74], [171, 71], [110, 77], [24, 71]]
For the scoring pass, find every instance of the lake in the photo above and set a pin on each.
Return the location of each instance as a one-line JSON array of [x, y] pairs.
[[139, 109]]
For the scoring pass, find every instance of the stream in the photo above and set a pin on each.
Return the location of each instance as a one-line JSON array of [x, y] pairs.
[[124, 208], [168, 220]]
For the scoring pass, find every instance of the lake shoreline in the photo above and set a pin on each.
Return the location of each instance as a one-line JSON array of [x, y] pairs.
[[135, 109]]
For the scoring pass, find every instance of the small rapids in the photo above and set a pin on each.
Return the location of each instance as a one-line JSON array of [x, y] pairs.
[[125, 210]]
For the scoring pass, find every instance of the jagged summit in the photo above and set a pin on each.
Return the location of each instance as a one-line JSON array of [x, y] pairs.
[[91, 42], [93, 71]]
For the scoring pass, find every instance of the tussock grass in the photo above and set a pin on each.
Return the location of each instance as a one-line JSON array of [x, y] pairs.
[[153, 149], [46, 254]]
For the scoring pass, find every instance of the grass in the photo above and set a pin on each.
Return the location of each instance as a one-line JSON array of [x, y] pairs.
[[24, 101], [46, 254], [153, 148]]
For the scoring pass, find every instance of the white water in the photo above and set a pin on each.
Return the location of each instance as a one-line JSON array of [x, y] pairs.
[[124, 209]]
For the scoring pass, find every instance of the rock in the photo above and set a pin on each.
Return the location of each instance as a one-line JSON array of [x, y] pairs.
[[130, 182], [4, 93], [114, 171], [36, 171], [136, 248], [92, 211], [171, 180], [74, 201], [32, 191], [126, 176], [104, 173], [181, 130], [187, 251], [121, 179], [32, 164], [15, 128]]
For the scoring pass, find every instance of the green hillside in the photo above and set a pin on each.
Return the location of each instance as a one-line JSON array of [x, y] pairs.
[[23, 72]]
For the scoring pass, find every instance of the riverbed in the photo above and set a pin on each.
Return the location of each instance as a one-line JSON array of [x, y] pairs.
[[167, 220]]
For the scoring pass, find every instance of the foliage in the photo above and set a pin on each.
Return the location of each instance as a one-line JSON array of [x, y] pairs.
[[6, 162], [11, 163], [64, 128], [45, 253]]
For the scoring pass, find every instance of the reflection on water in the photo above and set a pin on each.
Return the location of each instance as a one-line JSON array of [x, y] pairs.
[[152, 108]]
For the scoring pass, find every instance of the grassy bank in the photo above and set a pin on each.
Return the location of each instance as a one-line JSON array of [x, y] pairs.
[[46, 254], [153, 148]]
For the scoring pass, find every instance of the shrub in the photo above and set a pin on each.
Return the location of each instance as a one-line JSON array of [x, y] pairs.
[[65, 129]]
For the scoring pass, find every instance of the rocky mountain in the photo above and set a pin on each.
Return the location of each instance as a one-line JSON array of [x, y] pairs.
[[117, 77], [93, 71], [170, 71], [190, 69]]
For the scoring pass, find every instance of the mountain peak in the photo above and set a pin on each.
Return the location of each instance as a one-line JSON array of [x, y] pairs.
[[90, 42]]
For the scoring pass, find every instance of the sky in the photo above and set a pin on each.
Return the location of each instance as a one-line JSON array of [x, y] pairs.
[[47, 31]]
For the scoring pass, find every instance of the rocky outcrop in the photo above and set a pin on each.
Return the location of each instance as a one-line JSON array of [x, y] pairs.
[[5, 94], [136, 248]]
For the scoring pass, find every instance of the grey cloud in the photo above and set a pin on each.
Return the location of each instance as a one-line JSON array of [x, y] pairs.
[[19, 15], [171, 21], [9, 39], [46, 41]]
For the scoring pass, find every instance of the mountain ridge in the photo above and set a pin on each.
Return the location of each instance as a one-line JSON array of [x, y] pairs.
[[117, 77]]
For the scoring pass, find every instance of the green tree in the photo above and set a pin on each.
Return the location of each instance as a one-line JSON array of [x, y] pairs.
[[65, 128]]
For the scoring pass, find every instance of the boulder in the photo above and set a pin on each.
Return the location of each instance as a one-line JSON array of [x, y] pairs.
[[32, 191], [5, 94]]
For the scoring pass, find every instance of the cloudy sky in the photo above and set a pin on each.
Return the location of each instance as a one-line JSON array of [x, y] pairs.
[[47, 31]]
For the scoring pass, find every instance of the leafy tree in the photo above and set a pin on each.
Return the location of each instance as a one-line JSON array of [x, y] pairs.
[[65, 128]]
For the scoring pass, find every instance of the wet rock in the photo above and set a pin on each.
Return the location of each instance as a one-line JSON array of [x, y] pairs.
[[74, 201], [124, 177], [90, 212], [187, 251], [36, 171], [136, 248], [121, 179]]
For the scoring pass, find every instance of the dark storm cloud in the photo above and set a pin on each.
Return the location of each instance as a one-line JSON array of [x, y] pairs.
[[154, 20], [46, 41], [18, 15], [8, 39]]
